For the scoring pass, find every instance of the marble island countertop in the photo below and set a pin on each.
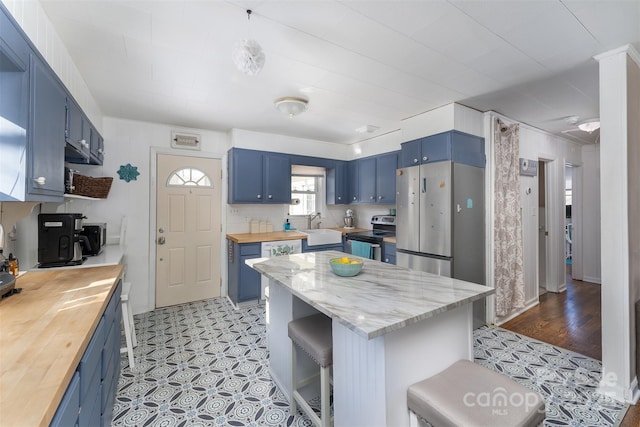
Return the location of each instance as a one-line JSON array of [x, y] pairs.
[[382, 298]]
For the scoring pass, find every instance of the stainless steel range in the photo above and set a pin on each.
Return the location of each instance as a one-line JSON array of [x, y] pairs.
[[382, 226]]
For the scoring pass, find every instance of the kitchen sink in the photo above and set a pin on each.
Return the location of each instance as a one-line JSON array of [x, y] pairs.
[[322, 236]]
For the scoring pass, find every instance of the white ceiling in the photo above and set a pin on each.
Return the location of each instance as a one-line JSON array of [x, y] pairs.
[[358, 62]]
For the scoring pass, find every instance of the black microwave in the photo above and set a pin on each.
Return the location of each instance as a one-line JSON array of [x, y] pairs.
[[96, 234]]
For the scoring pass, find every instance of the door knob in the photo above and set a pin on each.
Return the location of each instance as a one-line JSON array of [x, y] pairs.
[[161, 240]]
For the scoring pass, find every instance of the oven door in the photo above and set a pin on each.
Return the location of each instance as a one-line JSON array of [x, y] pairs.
[[377, 249]]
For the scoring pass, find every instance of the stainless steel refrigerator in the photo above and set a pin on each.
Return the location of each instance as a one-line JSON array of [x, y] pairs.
[[440, 222]]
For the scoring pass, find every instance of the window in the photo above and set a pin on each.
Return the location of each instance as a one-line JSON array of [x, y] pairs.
[[307, 190], [189, 177], [304, 189]]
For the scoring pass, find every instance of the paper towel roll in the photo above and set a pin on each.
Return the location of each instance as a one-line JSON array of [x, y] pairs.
[[295, 201]]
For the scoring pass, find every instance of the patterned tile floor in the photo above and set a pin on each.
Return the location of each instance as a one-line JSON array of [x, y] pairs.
[[206, 364]]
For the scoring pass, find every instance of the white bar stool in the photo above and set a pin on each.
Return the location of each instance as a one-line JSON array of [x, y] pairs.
[[313, 335], [129, 326]]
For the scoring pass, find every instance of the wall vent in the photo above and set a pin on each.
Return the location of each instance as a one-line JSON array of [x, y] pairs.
[[185, 141]]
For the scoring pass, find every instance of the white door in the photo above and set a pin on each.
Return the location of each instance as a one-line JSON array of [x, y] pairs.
[[188, 229]]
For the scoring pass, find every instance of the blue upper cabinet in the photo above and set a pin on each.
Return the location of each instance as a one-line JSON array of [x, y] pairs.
[[35, 120], [453, 145], [337, 184], [259, 177], [386, 165], [77, 134], [372, 180], [46, 132]]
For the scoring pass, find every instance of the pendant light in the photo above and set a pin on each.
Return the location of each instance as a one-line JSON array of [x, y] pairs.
[[247, 55]]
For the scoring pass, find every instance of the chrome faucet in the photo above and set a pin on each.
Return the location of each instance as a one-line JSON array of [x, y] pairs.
[[311, 217]]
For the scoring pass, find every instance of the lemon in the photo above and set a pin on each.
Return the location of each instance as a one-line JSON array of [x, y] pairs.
[[355, 262], [345, 260]]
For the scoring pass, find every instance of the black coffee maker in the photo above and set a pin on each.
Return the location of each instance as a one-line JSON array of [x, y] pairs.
[[59, 239]]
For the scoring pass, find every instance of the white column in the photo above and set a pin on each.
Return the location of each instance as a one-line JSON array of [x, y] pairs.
[[617, 328]]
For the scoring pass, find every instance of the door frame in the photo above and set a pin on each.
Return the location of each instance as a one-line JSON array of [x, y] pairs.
[[153, 186]]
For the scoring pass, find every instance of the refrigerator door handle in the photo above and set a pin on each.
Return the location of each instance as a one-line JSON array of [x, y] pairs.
[[424, 185]]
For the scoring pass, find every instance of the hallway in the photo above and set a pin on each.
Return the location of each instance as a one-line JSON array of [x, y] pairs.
[[571, 320]]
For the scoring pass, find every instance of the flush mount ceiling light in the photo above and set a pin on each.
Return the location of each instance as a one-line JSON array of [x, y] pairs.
[[589, 125], [290, 105], [247, 55], [367, 129]]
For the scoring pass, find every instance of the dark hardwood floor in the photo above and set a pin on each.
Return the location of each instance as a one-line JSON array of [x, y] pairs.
[[571, 320]]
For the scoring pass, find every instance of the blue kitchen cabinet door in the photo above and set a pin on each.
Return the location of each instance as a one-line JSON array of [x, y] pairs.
[[46, 133], [411, 153], [78, 134], [436, 148], [277, 178], [337, 184], [248, 279], [389, 252], [14, 109], [386, 165], [353, 190], [244, 282], [67, 413], [246, 172], [367, 180], [96, 146]]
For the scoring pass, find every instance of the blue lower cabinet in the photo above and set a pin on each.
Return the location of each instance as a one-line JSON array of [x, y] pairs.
[[90, 403], [389, 253], [69, 409], [319, 248], [89, 399]]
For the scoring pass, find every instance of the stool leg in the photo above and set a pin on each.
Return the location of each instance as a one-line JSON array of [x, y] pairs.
[[134, 339], [413, 419], [325, 397], [293, 408], [127, 333]]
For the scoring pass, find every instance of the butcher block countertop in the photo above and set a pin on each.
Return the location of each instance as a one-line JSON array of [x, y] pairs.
[[276, 236], [44, 331]]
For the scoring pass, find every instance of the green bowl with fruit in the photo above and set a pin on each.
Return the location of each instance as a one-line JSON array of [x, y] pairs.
[[345, 266]]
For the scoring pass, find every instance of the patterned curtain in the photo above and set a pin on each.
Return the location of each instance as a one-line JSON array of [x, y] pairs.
[[509, 276]]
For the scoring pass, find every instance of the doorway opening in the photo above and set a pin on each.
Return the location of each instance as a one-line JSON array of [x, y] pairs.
[[542, 229]]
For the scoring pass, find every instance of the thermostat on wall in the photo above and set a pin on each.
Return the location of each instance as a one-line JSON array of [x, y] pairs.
[[528, 167]]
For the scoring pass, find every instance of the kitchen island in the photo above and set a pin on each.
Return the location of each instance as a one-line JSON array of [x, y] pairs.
[[391, 327]]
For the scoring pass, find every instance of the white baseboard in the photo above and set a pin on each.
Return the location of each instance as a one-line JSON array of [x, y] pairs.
[[596, 280], [500, 320]]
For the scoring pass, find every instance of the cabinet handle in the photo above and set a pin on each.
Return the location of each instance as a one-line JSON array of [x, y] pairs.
[[355, 197], [339, 198], [84, 143], [372, 198], [100, 151], [259, 196], [425, 158], [379, 197], [41, 180], [415, 160], [270, 196]]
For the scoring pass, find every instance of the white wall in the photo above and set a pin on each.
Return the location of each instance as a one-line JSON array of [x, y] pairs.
[[131, 142], [35, 23], [589, 240]]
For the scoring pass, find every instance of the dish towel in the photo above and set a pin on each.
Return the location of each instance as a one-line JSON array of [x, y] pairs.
[[362, 249]]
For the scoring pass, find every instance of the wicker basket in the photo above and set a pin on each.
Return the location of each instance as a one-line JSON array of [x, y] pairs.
[[91, 187]]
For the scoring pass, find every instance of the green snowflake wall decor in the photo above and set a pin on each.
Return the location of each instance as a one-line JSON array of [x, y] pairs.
[[128, 172]]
